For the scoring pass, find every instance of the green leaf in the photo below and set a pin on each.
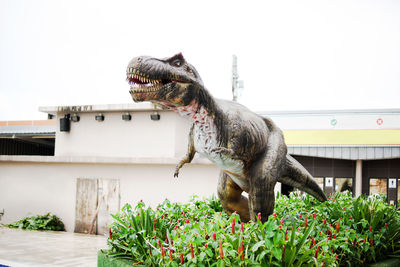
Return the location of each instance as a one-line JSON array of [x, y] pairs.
[[257, 245], [277, 252]]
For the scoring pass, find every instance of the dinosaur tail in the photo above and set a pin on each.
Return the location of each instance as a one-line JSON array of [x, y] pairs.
[[297, 176]]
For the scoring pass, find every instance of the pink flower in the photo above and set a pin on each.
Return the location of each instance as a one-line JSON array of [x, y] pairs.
[[314, 216], [274, 215], [259, 216]]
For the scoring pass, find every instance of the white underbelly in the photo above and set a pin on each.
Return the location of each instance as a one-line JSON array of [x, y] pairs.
[[204, 144]]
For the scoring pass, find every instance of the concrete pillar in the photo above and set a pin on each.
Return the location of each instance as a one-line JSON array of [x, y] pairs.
[[358, 178]]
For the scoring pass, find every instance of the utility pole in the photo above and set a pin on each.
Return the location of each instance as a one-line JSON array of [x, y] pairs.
[[237, 85]]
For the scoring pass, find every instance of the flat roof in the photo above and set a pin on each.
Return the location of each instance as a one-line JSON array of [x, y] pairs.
[[101, 108]]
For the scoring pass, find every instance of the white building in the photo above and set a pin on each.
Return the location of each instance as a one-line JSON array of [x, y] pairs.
[[106, 155]]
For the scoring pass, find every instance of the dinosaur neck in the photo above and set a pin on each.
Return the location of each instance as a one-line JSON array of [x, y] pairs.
[[204, 109]]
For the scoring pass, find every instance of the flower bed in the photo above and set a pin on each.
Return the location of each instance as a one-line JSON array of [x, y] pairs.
[[302, 231]]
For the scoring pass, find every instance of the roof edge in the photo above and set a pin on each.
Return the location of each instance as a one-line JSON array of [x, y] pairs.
[[145, 106]]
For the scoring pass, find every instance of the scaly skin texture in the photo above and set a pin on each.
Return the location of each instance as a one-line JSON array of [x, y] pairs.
[[249, 149]]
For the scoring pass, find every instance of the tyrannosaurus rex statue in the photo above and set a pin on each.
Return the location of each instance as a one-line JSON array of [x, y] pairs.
[[249, 149]]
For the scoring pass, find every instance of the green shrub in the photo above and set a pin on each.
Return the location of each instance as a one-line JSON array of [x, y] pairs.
[[40, 222], [301, 232]]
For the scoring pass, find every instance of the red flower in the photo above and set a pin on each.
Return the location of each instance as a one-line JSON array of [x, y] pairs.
[[205, 245], [170, 255], [280, 226], [162, 252], [181, 258], [150, 251], [233, 225], [191, 250], [337, 227], [214, 236], [316, 252], [385, 225], [351, 217], [305, 222], [242, 227], [274, 215], [325, 221], [186, 220], [283, 252], [370, 228], [221, 252], [109, 233], [240, 250], [259, 216], [314, 216]]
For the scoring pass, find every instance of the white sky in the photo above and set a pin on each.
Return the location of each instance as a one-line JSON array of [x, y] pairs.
[[292, 55]]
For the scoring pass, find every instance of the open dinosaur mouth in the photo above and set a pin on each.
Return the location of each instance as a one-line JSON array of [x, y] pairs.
[[141, 83]]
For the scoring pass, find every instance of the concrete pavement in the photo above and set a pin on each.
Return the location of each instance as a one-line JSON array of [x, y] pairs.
[[21, 248]]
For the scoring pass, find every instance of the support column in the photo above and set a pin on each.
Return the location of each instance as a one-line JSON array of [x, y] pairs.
[[358, 179]]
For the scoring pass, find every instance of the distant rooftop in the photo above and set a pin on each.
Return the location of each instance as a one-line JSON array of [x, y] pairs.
[[28, 128]]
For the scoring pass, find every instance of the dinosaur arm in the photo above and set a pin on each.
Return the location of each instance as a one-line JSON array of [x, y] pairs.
[[189, 154]]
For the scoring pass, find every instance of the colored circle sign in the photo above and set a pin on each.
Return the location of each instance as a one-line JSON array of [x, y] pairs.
[[379, 121], [333, 122]]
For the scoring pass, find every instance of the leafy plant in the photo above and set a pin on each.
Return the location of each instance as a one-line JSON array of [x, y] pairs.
[[40, 222], [301, 232]]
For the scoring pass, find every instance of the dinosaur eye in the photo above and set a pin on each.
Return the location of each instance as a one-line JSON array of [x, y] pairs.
[[177, 63]]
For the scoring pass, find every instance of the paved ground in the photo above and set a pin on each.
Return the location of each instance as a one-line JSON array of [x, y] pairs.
[[21, 248]]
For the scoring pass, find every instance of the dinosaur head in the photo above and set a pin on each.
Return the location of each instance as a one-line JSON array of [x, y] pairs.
[[170, 81]]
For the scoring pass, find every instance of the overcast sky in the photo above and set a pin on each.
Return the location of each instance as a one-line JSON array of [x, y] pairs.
[[292, 55]]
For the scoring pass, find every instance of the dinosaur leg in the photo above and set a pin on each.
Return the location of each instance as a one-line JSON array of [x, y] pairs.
[[262, 196], [231, 197]]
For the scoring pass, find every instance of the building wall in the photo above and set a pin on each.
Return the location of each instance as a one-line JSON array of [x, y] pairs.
[[382, 170], [114, 137], [32, 188]]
